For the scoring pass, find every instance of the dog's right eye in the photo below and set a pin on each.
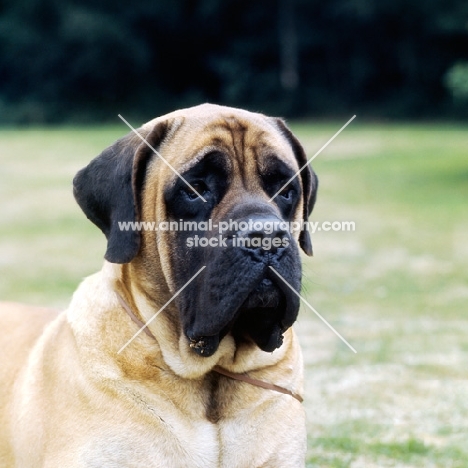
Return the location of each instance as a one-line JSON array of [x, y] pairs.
[[208, 179], [195, 189]]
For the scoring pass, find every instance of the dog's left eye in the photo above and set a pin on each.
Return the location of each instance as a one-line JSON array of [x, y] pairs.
[[287, 193], [195, 187]]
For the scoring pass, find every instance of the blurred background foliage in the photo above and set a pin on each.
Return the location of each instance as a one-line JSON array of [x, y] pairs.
[[86, 60]]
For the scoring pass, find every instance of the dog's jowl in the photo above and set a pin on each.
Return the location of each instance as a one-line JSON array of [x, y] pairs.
[[197, 211]]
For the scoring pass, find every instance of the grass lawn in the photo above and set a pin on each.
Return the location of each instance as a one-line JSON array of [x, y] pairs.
[[396, 288]]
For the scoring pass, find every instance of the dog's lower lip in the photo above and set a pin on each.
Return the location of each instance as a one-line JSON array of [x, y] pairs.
[[204, 345]]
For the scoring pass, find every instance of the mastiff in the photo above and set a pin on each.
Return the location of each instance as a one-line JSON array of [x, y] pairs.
[[215, 378]]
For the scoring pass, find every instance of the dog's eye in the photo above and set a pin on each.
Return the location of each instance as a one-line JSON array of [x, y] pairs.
[[287, 193], [198, 186]]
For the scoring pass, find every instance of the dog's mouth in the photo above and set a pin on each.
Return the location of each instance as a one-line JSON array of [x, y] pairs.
[[265, 296], [260, 316], [260, 319]]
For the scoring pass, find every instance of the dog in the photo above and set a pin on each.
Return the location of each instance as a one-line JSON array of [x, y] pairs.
[[215, 379]]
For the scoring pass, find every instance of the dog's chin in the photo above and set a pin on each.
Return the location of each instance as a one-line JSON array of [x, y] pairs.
[[258, 320]]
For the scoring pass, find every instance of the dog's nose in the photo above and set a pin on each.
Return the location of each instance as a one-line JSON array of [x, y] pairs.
[[264, 235]]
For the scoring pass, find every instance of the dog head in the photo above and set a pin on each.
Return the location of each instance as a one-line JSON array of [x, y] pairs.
[[218, 185]]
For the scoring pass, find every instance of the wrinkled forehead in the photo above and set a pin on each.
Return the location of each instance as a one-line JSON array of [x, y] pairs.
[[246, 138]]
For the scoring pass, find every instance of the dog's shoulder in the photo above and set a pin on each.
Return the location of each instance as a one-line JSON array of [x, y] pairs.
[[22, 324]]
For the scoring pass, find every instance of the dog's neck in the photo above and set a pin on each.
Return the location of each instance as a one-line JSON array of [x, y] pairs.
[[165, 326], [143, 327], [103, 308]]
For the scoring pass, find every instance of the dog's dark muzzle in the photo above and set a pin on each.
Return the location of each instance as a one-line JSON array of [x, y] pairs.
[[238, 292]]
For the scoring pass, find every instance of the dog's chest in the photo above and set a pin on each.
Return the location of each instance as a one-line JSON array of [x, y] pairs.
[[191, 444], [178, 437]]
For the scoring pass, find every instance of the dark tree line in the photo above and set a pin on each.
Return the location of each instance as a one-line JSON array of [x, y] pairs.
[[86, 60]]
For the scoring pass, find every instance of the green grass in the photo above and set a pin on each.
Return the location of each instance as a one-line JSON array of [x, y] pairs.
[[396, 288]]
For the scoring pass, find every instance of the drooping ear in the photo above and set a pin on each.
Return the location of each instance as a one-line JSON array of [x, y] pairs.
[[309, 184], [108, 190]]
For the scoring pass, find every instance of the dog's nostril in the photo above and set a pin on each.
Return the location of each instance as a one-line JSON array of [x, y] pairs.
[[265, 235]]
